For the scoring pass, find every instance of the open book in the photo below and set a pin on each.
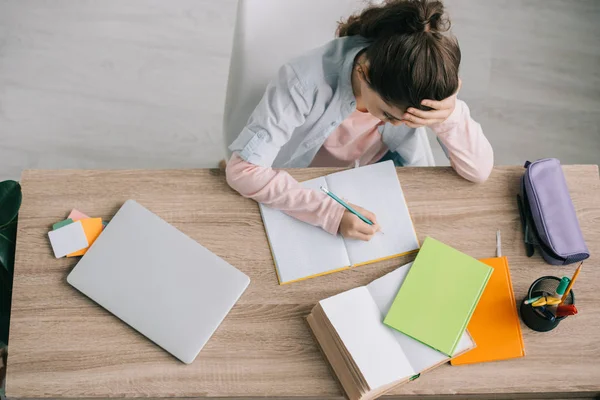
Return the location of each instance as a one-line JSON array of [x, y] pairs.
[[302, 251], [368, 357]]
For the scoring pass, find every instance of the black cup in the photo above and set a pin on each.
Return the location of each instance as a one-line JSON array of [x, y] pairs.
[[533, 317]]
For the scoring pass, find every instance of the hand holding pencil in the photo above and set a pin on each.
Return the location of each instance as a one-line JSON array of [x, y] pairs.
[[356, 223], [353, 227]]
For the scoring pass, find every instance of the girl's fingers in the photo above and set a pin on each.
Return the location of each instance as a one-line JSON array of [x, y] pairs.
[[416, 120], [361, 236], [370, 216], [366, 213], [436, 114], [366, 229], [423, 121], [377, 227], [447, 103], [437, 105]]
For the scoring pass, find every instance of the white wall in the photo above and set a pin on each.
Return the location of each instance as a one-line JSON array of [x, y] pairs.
[[141, 83]]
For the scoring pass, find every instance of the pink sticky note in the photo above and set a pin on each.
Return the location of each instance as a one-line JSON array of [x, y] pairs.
[[76, 215]]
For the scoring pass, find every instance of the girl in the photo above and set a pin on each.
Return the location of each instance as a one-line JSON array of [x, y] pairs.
[[358, 100]]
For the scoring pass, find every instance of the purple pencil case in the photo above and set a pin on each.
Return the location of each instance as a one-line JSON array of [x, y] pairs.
[[547, 214]]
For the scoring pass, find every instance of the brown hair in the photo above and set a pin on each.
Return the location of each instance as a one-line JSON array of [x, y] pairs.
[[410, 57]]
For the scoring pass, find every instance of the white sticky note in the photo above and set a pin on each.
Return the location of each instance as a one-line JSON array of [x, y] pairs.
[[68, 239]]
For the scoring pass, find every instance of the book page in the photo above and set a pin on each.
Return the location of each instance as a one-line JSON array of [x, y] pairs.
[[301, 250], [421, 357], [357, 320], [376, 188]]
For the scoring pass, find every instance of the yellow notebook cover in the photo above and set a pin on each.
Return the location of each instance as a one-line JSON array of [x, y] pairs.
[[495, 325]]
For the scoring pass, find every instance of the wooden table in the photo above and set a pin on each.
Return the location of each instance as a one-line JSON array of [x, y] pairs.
[[64, 345]]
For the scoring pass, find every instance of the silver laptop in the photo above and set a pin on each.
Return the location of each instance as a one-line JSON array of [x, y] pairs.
[[159, 281]]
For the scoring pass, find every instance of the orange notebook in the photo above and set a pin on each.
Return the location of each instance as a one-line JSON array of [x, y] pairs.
[[495, 325]]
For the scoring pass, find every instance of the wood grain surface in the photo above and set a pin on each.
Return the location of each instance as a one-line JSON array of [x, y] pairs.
[[64, 345]]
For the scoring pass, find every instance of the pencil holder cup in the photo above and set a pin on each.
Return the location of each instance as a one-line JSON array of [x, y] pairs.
[[534, 317]]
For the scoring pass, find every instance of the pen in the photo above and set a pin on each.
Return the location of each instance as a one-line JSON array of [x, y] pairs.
[[562, 287], [498, 244], [552, 301], [347, 206], [548, 314], [539, 302], [566, 310], [564, 296], [545, 301]]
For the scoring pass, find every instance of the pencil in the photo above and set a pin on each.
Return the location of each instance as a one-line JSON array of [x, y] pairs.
[[564, 296]]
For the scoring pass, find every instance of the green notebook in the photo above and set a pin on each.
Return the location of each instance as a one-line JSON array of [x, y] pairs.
[[438, 296]]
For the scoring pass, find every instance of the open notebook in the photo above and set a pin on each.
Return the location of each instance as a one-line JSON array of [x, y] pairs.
[[368, 357], [302, 251]]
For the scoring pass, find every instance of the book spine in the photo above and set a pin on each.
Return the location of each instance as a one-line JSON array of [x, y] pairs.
[[464, 327], [514, 302]]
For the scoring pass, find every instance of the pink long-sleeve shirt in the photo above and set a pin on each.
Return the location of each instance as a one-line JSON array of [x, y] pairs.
[[356, 141]]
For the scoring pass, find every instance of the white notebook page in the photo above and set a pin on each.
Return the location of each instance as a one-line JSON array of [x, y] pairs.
[[299, 249], [383, 292], [357, 320], [376, 188]]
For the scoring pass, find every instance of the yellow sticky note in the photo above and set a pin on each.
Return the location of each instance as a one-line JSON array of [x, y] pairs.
[[92, 228]]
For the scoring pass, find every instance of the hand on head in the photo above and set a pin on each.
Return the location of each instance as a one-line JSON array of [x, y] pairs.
[[440, 111]]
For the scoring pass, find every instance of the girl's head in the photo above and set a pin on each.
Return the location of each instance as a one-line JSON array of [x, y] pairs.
[[410, 58]]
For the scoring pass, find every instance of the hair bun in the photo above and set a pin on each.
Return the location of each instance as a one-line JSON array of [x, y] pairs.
[[397, 17], [434, 19], [428, 16]]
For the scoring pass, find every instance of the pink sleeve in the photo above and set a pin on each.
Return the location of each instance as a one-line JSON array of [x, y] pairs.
[[278, 190], [470, 153]]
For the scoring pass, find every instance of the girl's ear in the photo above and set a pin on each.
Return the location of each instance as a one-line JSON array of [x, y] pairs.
[[363, 71]]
